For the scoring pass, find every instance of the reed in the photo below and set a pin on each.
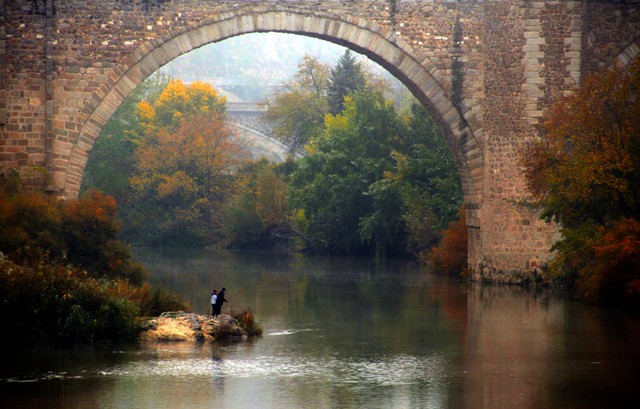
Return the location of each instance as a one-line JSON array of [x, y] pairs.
[[247, 320]]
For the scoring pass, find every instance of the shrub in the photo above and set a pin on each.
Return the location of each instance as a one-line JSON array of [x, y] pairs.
[[30, 225], [450, 256], [614, 273], [56, 304], [247, 320], [80, 232], [154, 301]]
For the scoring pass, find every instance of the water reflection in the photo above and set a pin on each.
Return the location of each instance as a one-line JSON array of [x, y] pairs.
[[349, 333]]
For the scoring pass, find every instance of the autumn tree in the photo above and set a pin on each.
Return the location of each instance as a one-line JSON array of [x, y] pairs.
[[257, 215], [80, 232], [298, 112], [585, 172], [179, 102], [111, 162], [449, 257], [184, 164], [65, 278]]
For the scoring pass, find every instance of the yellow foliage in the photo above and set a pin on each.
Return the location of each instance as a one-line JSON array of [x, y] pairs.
[[177, 182], [175, 90], [146, 111], [337, 122], [203, 90], [311, 148]]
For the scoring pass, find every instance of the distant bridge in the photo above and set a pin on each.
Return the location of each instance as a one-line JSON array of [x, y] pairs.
[[246, 117], [261, 145], [246, 106]]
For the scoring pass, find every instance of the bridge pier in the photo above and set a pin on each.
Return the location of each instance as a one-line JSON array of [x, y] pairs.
[[507, 241]]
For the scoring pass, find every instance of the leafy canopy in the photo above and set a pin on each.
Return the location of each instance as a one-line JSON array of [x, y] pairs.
[[111, 162], [585, 173], [183, 163], [298, 113], [585, 168], [367, 182]]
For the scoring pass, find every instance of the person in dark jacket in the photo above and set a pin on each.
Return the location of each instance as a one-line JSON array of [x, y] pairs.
[[219, 301]]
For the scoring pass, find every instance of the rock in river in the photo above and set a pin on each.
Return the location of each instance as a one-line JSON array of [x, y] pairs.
[[187, 326]]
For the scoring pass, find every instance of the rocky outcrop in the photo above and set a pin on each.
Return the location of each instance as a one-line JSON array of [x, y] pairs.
[[185, 326]]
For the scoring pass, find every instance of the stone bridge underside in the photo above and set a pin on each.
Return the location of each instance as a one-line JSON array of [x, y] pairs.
[[485, 70]]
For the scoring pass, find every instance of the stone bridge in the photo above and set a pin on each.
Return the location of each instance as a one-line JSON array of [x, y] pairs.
[[484, 69], [246, 118]]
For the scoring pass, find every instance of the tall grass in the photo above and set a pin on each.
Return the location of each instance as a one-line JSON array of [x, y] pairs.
[[247, 320]]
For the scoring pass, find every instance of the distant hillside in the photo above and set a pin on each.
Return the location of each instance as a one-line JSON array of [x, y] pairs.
[[249, 66]]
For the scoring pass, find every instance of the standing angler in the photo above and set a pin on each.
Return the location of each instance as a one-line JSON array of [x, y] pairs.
[[219, 301]]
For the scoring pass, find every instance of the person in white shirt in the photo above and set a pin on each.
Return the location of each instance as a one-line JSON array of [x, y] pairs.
[[214, 296]]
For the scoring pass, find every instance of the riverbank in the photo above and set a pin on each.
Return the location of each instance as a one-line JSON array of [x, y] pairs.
[[180, 326]]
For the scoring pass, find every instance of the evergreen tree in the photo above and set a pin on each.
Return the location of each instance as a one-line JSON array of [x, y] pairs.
[[346, 78]]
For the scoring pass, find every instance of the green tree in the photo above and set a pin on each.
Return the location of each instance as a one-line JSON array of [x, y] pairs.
[[257, 215], [331, 185], [375, 183], [298, 112], [346, 78], [426, 176]]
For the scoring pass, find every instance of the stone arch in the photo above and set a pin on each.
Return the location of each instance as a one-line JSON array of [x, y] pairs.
[[629, 53], [379, 44]]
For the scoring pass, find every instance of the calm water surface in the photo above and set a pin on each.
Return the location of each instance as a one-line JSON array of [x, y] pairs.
[[348, 333]]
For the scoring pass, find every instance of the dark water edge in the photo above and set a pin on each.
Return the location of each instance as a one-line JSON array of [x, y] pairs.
[[349, 333]]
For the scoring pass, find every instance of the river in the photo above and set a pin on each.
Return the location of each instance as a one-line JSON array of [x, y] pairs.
[[348, 333]]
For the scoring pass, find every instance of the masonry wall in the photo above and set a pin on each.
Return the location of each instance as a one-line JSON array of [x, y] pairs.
[[23, 89], [497, 64], [532, 53]]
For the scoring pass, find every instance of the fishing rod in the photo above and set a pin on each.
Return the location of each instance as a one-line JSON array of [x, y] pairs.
[[243, 290]]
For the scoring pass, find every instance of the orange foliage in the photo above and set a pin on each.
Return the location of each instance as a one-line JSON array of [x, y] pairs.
[[614, 273], [450, 256], [30, 221], [585, 171], [96, 207], [588, 152], [190, 162], [179, 102], [81, 232]]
